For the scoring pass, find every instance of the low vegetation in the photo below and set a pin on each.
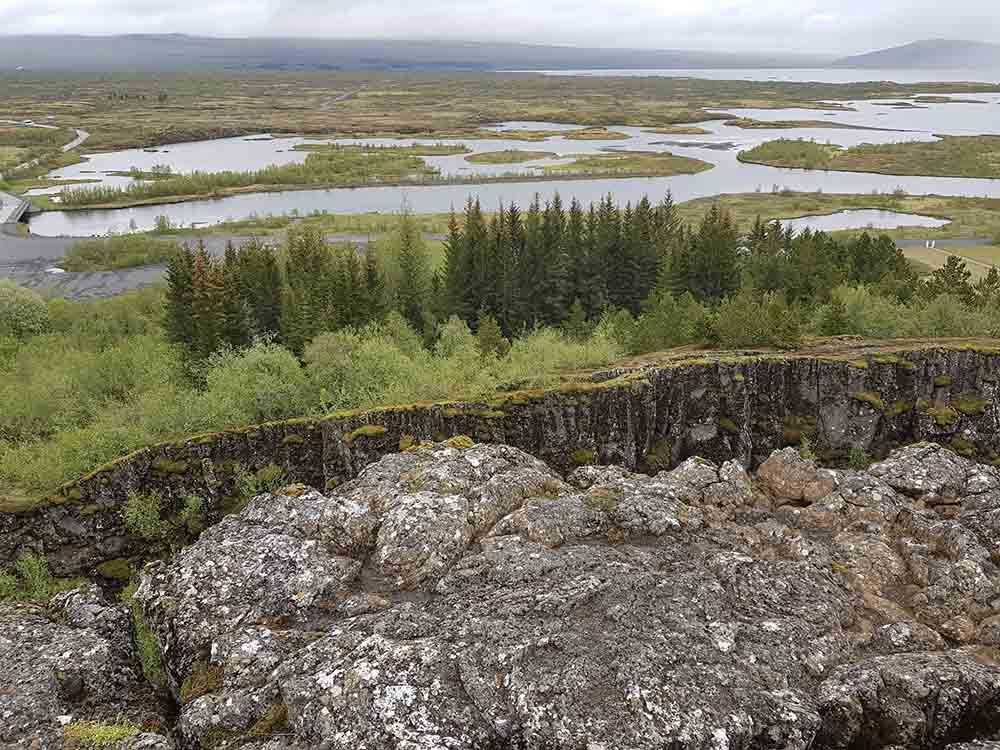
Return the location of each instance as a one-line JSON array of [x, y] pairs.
[[519, 299], [29, 580], [594, 134], [333, 166], [950, 156], [136, 111], [508, 156], [629, 163], [748, 123], [117, 252]]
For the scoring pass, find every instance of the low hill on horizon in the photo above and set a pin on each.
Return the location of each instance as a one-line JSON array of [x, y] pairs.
[[181, 52], [928, 53]]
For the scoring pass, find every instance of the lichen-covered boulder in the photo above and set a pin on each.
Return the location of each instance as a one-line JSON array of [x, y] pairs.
[[68, 669], [474, 600]]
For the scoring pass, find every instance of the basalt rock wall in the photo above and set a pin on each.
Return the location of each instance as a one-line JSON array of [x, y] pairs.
[[649, 419]]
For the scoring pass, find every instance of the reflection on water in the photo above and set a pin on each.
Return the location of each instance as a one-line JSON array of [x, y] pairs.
[[720, 147], [860, 219]]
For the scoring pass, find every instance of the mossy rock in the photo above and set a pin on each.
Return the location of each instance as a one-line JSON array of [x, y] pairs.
[[728, 425], [584, 457], [943, 381], [886, 359], [661, 456], [115, 570], [407, 442], [972, 406], [273, 721], [963, 447], [365, 431], [164, 465], [874, 400], [606, 499], [898, 408], [96, 735], [858, 364], [943, 416], [460, 442], [204, 678], [293, 440]]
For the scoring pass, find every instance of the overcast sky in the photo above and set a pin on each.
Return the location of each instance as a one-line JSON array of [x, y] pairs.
[[838, 26]]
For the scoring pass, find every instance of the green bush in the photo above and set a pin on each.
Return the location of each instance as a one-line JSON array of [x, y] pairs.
[[31, 581], [23, 313], [142, 516], [259, 384], [748, 319]]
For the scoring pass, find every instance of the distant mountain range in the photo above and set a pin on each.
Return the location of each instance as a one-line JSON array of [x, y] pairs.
[[179, 52], [184, 53], [929, 53]]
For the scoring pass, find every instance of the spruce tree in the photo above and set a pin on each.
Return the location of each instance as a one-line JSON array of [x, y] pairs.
[[374, 288], [207, 303], [234, 325], [411, 291], [180, 323]]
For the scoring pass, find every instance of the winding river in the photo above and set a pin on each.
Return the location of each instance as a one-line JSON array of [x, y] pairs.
[[889, 121]]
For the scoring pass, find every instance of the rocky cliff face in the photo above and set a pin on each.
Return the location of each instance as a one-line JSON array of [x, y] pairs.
[[722, 408], [474, 599]]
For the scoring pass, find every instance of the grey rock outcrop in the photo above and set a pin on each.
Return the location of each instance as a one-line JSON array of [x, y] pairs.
[[474, 599], [720, 406], [68, 666]]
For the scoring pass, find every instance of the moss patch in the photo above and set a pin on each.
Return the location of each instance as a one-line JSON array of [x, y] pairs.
[[116, 570], [871, 398], [943, 416], [972, 406], [942, 381], [606, 499], [273, 721], [584, 457], [461, 442], [204, 678], [365, 431], [163, 465], [963, 447], [728, 425], [92, 734], [898, 408]]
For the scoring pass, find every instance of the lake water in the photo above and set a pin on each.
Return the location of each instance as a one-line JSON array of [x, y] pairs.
[[861, 218], [719, 147], [799, 75]]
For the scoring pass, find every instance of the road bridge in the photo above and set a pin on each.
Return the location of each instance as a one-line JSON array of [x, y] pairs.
[[12, 208]]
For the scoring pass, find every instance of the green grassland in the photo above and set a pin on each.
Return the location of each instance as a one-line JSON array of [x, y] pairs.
[[951, 156], [748, 123], [508, 156], [631, 163], [126, 111]]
